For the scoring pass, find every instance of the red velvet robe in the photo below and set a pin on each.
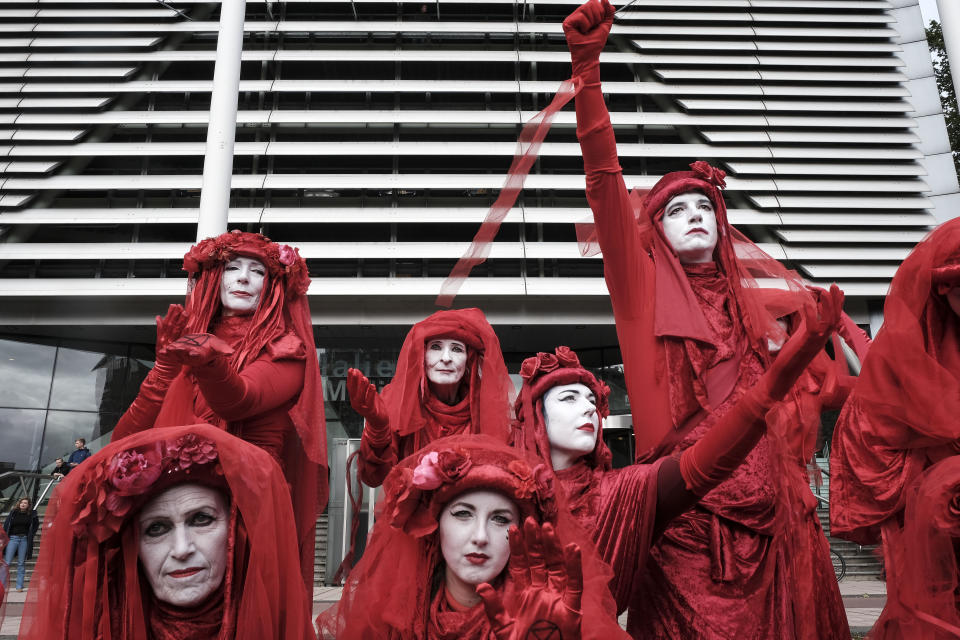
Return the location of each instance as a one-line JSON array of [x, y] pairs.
[[717, 572]]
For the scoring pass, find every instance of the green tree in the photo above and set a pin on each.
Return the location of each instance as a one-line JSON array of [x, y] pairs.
[[948, 96]]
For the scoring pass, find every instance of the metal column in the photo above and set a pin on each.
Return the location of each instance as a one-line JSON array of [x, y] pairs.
[[950, 22], [221, 130]]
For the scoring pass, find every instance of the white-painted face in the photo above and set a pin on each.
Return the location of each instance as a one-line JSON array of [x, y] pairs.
[[445, 361], [570, 416], [473, 538], [183, 543], [241, 285], [953, 298], [690, 225]]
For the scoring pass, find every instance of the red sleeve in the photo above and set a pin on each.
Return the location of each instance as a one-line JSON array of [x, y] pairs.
[[264, 385], [143, 411], [376, 459]]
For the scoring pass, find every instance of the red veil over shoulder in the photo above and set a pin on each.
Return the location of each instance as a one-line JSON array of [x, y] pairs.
[[392, 591], [899, 423], [88, 585], [490, 387], [280, 327]]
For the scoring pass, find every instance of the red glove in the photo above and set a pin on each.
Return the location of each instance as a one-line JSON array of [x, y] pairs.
[[547, 582], [586, 30], [721, 450], [170, 327], [818, 322], [367, 402], [195, 349]]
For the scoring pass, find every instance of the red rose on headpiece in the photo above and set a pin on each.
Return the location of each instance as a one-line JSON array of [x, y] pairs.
[[453, 464], [528, 368], [548, 362], [131, 472], [567, 357], [526, 485], [705, 172], [288, 255], [191, 449]]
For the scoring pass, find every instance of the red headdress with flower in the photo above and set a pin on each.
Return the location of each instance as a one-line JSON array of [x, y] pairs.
[[540, 373], [88, 584], [405, 542]]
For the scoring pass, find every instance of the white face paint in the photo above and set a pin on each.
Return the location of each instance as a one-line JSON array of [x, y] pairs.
[[473, 540], [572, 422], [953, 298], [183, 543], [241, 285], [445, 361], [690, 225]]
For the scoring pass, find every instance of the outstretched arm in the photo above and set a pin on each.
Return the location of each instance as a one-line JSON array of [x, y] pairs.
[[142, 413], [261, 386], [681, 483], [586, 30], [378, 447]]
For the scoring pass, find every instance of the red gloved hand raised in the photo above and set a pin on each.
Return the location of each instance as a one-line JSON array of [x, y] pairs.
[[586, 30], [818, 322], [365, 400], [548, 585], [171, 326], [195, 349]]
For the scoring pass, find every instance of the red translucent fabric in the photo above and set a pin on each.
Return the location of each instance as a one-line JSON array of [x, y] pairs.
[[528, 148], [404, 546], [87, 584], [489, 387], [280, 328]]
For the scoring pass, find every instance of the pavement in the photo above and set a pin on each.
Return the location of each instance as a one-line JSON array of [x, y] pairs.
[[863, 600]]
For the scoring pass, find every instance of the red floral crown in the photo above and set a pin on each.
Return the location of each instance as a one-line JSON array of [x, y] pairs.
[[546, 370], [415, 495], [110, 489], [701, 177], [279, 259]]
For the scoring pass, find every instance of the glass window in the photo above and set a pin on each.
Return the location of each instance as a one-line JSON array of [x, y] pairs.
[[20, 432], [64, 427], [25, 370], [89, 381]]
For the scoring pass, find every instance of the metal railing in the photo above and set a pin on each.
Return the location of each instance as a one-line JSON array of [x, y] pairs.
[[15, 485]]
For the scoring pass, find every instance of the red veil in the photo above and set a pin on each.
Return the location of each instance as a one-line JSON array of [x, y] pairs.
[[390, 593], [490, 387], [283, 313], [900, 421], [87, 584]]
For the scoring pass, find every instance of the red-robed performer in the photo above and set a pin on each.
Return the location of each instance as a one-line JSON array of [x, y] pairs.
[[895, 473], [440, 564], [694, 341], [559, 419], [241, 356], [170, 534], [450, 379]]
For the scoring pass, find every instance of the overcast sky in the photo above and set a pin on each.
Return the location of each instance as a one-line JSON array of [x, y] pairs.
[[929, 10]]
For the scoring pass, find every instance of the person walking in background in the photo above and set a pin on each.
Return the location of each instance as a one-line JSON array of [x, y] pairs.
[[60, 469], [21, 526], [81, 454]]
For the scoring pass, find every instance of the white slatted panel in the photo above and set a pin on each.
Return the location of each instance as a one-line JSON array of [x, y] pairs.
[[378, 139]]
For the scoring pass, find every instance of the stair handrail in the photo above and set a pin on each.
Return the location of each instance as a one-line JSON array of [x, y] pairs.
[[22, 476]]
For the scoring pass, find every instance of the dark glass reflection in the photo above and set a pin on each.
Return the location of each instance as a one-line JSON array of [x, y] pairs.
[[25, 370], [89, 381], [20, 433], [64, 427]]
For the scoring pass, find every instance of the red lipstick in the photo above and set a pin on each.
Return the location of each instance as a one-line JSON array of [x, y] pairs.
[[185, 573], [477, 558]]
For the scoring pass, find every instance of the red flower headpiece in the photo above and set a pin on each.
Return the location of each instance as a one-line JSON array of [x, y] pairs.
[[707, 173], [279, 259], [702, 177], [113, 488], [546, 370], [421, 485]]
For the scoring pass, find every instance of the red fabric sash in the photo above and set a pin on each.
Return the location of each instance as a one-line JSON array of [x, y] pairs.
[[528, 148]]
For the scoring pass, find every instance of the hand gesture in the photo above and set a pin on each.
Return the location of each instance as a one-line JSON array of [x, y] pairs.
[[195, 349], [818, 322], [171, 326], [365, 400], [547, 584], [586, 30]]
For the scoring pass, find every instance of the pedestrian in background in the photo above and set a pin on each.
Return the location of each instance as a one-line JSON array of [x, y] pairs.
[[21, 526], [81, 454]]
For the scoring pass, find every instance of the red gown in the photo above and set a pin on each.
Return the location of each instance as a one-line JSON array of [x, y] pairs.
[[718, 571], [894, 460]]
